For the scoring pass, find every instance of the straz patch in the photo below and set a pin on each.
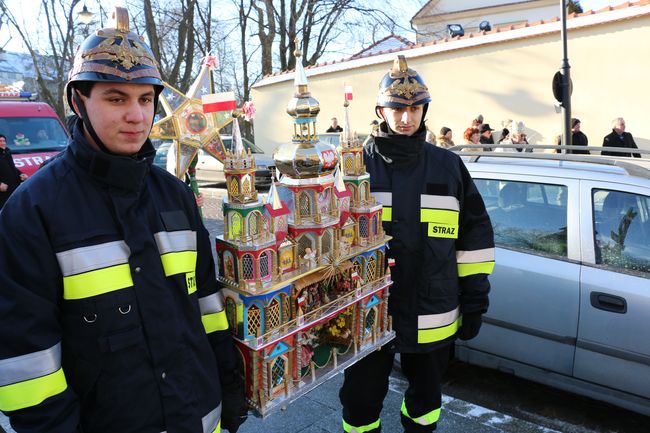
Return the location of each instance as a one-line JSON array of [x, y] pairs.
[[437, 230], [190, 280]]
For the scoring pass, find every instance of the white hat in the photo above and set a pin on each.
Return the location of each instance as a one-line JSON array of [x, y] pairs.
[[517, 127]]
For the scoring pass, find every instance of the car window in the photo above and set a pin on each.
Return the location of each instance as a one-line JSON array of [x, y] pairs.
[[621, 230], [525, 215], [29, 134]]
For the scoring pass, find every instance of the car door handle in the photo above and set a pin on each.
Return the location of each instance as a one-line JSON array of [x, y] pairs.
[[606, 302]]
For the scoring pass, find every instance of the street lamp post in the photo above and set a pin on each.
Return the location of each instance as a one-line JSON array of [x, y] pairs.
[[566, 83], [85, 16]]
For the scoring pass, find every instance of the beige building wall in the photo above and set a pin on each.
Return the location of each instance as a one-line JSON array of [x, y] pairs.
[[511, 79]]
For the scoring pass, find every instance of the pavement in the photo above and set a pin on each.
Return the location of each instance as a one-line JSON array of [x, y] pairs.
[[319, 411]]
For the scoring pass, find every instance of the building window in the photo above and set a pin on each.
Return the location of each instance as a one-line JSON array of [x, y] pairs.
[[304, 204], [254, 321], [370, 321], [349, 164], [277, 371], [246, 186], [247, 267], [363, 227], [326, 242], [233, 187], [265, 264], [371, 269], [273, 315]]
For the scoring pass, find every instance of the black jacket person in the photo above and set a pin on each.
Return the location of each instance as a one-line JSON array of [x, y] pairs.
[[443, 250], [111, 316]]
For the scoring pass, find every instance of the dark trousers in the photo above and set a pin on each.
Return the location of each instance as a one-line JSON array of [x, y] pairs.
[[366, 384]]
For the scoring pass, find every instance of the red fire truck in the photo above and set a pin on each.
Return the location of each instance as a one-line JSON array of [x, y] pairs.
[[33, 130]]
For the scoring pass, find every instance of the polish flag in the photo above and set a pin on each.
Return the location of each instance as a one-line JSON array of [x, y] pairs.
[[391, 261], [216, 102], [355, 276], [348, 93]]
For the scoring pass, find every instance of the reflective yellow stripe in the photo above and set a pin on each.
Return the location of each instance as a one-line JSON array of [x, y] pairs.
[[438, 334], [215, 322], [362, 429], [440, 216], [97, 282], [387, 213], [436, 230], [465, 269], [426, 419], [218, 429], [179, 263], [32, 392]]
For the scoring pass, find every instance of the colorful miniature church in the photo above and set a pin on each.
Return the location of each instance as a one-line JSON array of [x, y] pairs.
[[303, 272]]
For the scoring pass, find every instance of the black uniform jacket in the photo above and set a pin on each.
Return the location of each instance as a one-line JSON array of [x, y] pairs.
[[614, 140], [111, 318], [9, 175], [442, 244]]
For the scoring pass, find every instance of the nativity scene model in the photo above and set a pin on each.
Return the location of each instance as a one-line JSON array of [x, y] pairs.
[[303, 272]]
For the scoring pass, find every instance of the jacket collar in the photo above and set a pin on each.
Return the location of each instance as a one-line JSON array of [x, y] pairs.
[[122, 172]]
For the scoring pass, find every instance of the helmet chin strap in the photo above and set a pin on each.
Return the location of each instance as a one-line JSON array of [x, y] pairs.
[[86, 121]]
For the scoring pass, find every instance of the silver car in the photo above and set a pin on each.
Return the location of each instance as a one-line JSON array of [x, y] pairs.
[[570, 300]]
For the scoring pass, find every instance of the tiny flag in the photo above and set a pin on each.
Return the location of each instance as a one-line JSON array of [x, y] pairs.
[[355, 276], [391, 261], [348, 93], [216, 102]]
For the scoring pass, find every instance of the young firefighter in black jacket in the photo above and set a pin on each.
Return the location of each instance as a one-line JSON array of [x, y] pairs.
[[443, 249], [111, 316]]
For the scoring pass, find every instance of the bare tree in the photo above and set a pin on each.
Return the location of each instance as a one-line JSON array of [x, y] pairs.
[[60, 31]]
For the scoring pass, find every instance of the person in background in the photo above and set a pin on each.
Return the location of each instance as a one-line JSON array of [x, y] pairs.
[[445, 138], [10, 176], [335, 126], [443, 248], [619, 138], [578, 138], [486, 135], [505, 131], [472, 136], [517, 135], [112, 319], [477, 122]]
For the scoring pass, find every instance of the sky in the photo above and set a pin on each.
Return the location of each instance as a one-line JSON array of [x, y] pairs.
[[27, 11]]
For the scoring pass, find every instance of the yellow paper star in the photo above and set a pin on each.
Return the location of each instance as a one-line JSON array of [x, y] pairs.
[[187, 125]]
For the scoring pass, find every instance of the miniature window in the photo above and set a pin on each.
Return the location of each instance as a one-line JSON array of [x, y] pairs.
[[305, 205], [265, 264], [286, 309], [380, 264], [527, 216], [358, 267], [273, 315], [370, 321], [254, 223], [246, 185], [229, 265], [349, 164], [363, 227], [236, 225], [326, 242], [254, 321], [234, 187], [371, 273], [277, 371], [364, 191], [247, 267], [622, 230], [374, 225], [325, 201], [305, 242]]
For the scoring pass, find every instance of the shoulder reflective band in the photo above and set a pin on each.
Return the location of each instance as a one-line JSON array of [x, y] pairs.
[[437, 327], [27, 380], [386, 200], [95, 270], [361, 429], [213, 314], [426, 419], [475, 262], [441, 214], [212, 421], [177, 251]]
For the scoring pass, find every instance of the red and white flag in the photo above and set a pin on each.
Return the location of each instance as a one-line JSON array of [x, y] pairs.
[[391, 261], [216, 102], [348, 93], [355, 276]]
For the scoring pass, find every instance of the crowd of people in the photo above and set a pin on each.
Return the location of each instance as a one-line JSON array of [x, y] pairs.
[[514, 133]]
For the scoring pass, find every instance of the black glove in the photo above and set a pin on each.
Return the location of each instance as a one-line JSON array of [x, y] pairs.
[[234, 409], [470, 327]]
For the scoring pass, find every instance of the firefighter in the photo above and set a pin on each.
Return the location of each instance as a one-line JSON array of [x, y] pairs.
[[111, 316], [443, 250]]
